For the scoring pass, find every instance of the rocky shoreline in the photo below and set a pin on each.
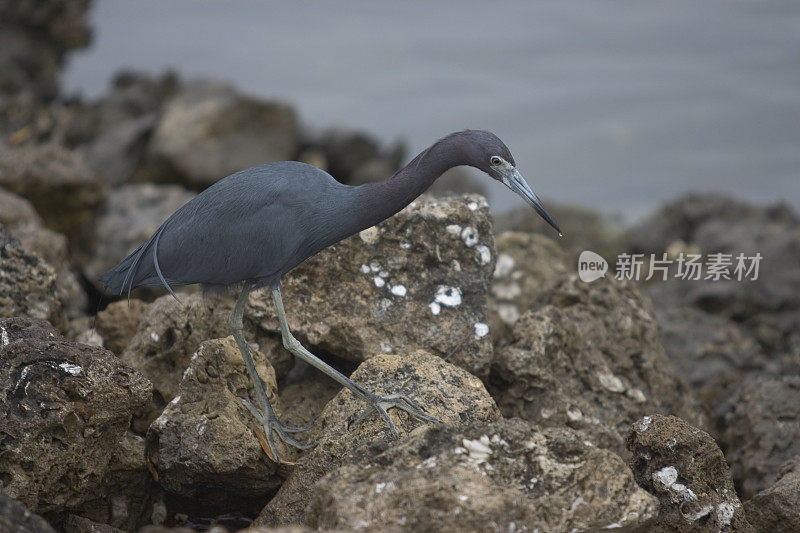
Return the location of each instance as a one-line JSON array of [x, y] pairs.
[[567, 405]]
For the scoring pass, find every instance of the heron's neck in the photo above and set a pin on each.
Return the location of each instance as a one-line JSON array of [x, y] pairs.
[[376, 202]]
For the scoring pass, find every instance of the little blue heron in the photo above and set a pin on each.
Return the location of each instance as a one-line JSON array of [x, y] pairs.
[[256, 225]]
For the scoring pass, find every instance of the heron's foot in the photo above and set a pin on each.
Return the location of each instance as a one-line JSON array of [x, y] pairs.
[[269, 421], [399, 401]]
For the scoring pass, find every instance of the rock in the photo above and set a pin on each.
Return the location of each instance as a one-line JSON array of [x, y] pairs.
[[760, 429], [304, 393], [528, 265], [355, 157], [170, 332], [458, 180], [164, 529], [118, 323], [418, 280], [501, 476], [777, 509], [442, 389], [29, 286], [689, 214], [588, 356], [114, 132], [79, 524], [768, 307], [34, 37], [15, 518], [584, 229], [66, 192], [133, 95], [121, 501], [117, 152], [287, 529], [131, 214], [203, 446], [66, 409], [20, 218], [710, 351], [209, 130], [19, 328], [685, 469]]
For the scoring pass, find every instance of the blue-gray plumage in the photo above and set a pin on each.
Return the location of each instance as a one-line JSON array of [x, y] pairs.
[[256, 225]]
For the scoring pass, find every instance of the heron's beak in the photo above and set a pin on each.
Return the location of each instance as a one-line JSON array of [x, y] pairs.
[[514, 181]]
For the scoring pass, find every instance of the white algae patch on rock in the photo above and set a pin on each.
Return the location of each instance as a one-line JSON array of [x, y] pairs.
[[398, 290], [484, 254], [448, 296], [481, 329], [335, 306]]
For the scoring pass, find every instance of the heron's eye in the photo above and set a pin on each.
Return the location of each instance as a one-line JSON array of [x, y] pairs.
[[496, 160]]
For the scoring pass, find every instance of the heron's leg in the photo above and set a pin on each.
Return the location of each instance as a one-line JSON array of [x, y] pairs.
[[378, 403], [265, 415]]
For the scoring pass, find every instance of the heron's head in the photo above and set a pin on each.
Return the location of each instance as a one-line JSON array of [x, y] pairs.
[[489, 154]]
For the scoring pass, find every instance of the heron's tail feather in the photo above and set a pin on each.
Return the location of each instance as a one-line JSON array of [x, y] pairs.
[[128, 274], [116, 280]]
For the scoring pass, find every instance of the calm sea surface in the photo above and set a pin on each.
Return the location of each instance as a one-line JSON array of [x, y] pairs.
[[618, 105]]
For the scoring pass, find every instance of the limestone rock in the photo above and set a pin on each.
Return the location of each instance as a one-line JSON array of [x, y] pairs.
[[34, 38], [354, 157], [118, 323], [203, 447], [584, 229], [588, 356], [768, 307], [29, 286], [66, 192], [528, 265], [304, 393], [761, 429], [459, 180], [777, 509], [121, 500], [18, 328], [685, 469], [417, 281], [170, 332], [209, 130], [14, 517], [66, 408], [79, 524], [711, 352], [20, 218], [119, 149], [442, 389], [502, 476]]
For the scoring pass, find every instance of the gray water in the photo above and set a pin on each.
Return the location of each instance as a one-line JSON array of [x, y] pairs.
[[612, 104]]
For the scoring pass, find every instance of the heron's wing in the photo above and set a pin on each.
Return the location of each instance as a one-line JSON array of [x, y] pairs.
[[249, 225], [228, 239]]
